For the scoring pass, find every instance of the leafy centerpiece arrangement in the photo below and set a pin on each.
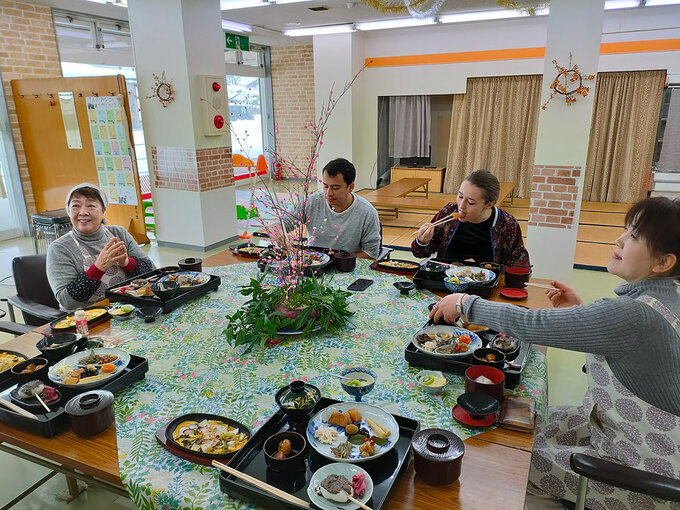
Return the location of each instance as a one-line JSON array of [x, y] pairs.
[[283, 300]]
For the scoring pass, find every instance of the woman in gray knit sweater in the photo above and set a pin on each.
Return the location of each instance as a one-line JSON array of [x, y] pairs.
[[631, 411], [92, 257]]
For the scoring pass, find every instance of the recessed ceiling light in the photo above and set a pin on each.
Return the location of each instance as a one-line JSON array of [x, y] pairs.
[[293, 24], [241, 4], [395, 23], [328, 29], [620, 4], [236, 27]]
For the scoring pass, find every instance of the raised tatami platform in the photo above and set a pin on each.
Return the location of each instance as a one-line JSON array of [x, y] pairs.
[[599, 226]]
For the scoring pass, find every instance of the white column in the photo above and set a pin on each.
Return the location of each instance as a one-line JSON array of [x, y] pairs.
[[574, 27], [191, 173]]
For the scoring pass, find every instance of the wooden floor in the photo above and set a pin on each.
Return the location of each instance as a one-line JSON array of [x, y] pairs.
[[599, 227]]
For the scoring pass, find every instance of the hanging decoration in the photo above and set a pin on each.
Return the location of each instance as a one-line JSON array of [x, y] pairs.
[[162, 90], [529, 7], [568, 83], [416, 8]]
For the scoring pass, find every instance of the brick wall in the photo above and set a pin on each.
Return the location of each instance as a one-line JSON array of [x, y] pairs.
[[28, 49], [293, 96], [191, 169], [553, 196]]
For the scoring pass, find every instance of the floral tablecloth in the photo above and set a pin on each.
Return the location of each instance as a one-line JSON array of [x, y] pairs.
[[193, 369]]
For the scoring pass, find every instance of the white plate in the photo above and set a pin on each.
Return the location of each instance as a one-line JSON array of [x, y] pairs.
[[375, 413], [475, 341], [201, 278], [73, 362], [464, 274], [346, 470]]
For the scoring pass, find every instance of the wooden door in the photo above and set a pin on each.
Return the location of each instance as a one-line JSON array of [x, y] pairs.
[[54, 168]]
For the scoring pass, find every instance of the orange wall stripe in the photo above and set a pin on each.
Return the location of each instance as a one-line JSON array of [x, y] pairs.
[[517, 53]]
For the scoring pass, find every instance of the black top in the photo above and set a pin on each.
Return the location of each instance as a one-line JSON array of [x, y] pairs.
[[472, 241]]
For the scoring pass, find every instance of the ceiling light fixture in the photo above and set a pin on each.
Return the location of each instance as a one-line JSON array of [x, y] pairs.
[[481, 16], [655, 3], [329, 29], [620, 4], [395, 23], [279, 2], [235, 27], [225, 5]]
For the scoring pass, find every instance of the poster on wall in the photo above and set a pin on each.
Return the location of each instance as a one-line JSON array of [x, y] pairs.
[[112, 148]]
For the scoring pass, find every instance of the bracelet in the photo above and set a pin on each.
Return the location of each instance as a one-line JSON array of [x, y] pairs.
[[459, 307]]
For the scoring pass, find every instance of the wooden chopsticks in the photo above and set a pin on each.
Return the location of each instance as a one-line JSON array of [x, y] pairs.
[[17, 409], [441, 221], [539, 286], [261, 485]]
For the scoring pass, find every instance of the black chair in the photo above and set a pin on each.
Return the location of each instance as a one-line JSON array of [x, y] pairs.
[[34, 295], [623, 477], [14, 328]]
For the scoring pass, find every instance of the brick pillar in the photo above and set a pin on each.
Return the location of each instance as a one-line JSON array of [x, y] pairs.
[[554, 190]]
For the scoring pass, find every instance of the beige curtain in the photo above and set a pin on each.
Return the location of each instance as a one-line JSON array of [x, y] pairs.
[[494, 126], [622, 135]]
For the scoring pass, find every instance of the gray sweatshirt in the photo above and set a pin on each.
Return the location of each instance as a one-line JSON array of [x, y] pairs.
[[641, 347], [65, 266], [355, 229]]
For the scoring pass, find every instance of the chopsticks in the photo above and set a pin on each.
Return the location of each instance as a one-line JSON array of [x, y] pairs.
[[43, 403], [17, 409], [539, 286], [262, 485], [358, 503], [445, 219]]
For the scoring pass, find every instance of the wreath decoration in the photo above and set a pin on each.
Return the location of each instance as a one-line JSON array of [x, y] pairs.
[[162, 90], [568, 83]]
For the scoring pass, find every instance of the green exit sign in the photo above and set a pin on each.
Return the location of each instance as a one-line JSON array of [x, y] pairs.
[[236, 42]]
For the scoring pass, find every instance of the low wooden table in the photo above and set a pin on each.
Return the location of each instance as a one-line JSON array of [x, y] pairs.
[[499, 458]]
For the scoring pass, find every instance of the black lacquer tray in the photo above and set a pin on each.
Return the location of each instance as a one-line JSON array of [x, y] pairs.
[[250, 459], [484, 289], [512, 372], [52, 423], [169, 305]]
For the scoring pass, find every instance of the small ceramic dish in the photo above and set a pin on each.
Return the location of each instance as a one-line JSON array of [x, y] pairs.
[[405, 288], [478, 405], [121, 311], [149, 313], [57, 347], [431, 381], [297, 400], [165, 290], [454, 284], [34, 368], [294, 459], [490, 357], [358, 381]]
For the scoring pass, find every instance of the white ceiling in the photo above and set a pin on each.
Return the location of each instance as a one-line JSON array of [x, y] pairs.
[[270, 20]]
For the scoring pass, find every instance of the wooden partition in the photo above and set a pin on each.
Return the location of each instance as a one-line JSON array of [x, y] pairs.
[[53, 167]]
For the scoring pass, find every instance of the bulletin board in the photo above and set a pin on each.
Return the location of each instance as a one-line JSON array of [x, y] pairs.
[[51, 141]]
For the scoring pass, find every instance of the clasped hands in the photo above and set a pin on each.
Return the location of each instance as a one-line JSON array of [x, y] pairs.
[[114, 252]]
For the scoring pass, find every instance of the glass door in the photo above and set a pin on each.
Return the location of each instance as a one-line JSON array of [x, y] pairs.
[[13, 218]]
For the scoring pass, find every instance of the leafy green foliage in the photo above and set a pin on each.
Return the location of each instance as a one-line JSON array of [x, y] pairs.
[[258, 321]]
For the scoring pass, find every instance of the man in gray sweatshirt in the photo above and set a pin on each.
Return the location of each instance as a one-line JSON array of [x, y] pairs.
[[337, 218]]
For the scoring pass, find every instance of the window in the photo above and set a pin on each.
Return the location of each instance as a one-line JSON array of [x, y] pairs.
[[249, 93]]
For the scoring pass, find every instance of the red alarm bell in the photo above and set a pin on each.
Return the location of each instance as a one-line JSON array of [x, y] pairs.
[[218, 120], [216, 86]]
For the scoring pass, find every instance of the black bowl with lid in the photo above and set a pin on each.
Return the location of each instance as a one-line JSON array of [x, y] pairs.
[[438, 456], [91, 412], [433, 270], [297, 400], [345, 261]]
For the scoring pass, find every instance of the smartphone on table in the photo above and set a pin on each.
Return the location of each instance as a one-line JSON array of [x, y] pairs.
[[360, 284]]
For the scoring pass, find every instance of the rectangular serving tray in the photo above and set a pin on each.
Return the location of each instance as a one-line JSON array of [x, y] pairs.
[[250, 460], [480, 289], [417, 358], [169, 305], [50, 424]]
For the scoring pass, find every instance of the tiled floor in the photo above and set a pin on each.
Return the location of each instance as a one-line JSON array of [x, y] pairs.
[[566, 385]]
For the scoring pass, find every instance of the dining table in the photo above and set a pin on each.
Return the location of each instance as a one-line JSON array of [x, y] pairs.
[[192, 368]]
